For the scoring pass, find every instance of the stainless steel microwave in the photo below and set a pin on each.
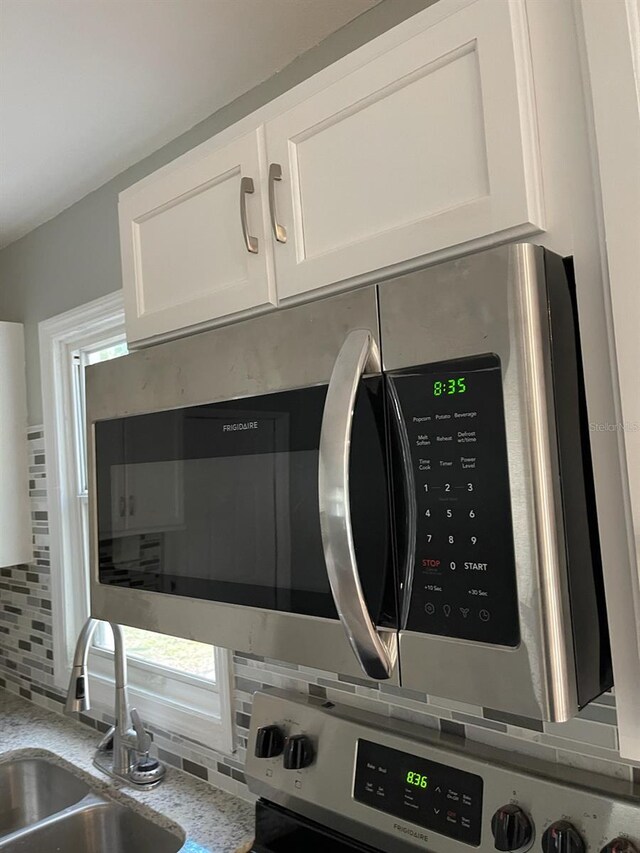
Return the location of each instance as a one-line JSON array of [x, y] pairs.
[[392, 483]]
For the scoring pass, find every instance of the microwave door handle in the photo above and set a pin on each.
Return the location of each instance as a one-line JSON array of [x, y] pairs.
[[376, 652], [411, 514]]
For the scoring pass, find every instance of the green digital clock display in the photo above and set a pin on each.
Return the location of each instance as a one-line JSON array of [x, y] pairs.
[[418, 780], [447, 387]]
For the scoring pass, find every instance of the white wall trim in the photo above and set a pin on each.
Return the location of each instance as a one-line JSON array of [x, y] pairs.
[[202, 712], [56, 335], [611, 37]]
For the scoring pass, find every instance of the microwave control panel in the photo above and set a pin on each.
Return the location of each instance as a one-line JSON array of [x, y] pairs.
[[464, 572]]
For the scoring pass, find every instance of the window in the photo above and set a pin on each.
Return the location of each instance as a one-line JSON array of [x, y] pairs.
[[178, 684]]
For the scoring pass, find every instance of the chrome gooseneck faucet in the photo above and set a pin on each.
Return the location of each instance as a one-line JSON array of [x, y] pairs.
[[124, 751]]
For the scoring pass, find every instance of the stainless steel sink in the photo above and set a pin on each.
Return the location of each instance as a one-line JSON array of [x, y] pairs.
[[95, 827], [32, 789], [44, 807]]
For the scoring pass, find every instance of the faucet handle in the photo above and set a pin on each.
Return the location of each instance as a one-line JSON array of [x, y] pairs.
[[106, 742], [143, 737]]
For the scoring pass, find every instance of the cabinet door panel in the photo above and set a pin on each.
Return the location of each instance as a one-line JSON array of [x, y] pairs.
[[209, 251], [185, 261], [428, 146], [384, 196]]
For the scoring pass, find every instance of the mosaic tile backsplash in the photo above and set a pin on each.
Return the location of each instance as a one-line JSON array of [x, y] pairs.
[[26, 667]]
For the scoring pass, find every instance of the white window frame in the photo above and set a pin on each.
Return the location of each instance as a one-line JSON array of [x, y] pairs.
[[174, 701]]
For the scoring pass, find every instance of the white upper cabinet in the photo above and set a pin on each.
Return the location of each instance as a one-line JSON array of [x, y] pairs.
[[428, 146], [417, 146], [15, 519], [193, 243]]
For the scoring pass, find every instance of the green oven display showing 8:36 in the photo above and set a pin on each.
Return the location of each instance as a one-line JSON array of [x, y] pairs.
[[416, 779], [448, 387]]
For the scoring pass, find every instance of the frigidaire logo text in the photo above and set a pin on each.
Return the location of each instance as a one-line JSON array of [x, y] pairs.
[[245, 425], [412, 832]]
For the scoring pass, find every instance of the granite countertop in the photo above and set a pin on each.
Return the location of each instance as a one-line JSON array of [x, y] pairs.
[[208, 817]]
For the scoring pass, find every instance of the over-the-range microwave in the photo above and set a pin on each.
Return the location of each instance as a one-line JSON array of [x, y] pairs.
[[392, 483]]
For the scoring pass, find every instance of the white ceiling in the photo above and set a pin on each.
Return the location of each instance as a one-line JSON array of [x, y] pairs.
[[89, 87]]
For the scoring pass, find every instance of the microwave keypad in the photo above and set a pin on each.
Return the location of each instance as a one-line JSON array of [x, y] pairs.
[[427, 793], [464, 581]]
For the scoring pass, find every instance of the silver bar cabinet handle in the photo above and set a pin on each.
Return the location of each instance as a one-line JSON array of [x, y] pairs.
[[275, 174], [246, 187], [376, 651]]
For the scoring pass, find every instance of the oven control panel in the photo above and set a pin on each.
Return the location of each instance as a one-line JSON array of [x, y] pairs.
[[454, 440], [394, 787], [433, 795]]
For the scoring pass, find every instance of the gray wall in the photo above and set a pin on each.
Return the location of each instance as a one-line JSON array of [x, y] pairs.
[[75, 257]]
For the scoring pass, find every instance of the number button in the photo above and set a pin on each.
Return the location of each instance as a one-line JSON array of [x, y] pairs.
[[474, 539], [451, 540], [449, 513], [472, 513]]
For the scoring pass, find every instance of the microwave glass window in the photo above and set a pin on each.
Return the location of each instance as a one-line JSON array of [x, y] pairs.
[[220, 501]]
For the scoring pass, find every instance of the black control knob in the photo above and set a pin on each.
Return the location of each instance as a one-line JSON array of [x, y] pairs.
[[620, 845], [298, 752], [562, 837], [511, 828], [269, 742]]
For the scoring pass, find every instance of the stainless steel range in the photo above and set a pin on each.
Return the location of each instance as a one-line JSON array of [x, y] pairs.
[[334, 779]]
